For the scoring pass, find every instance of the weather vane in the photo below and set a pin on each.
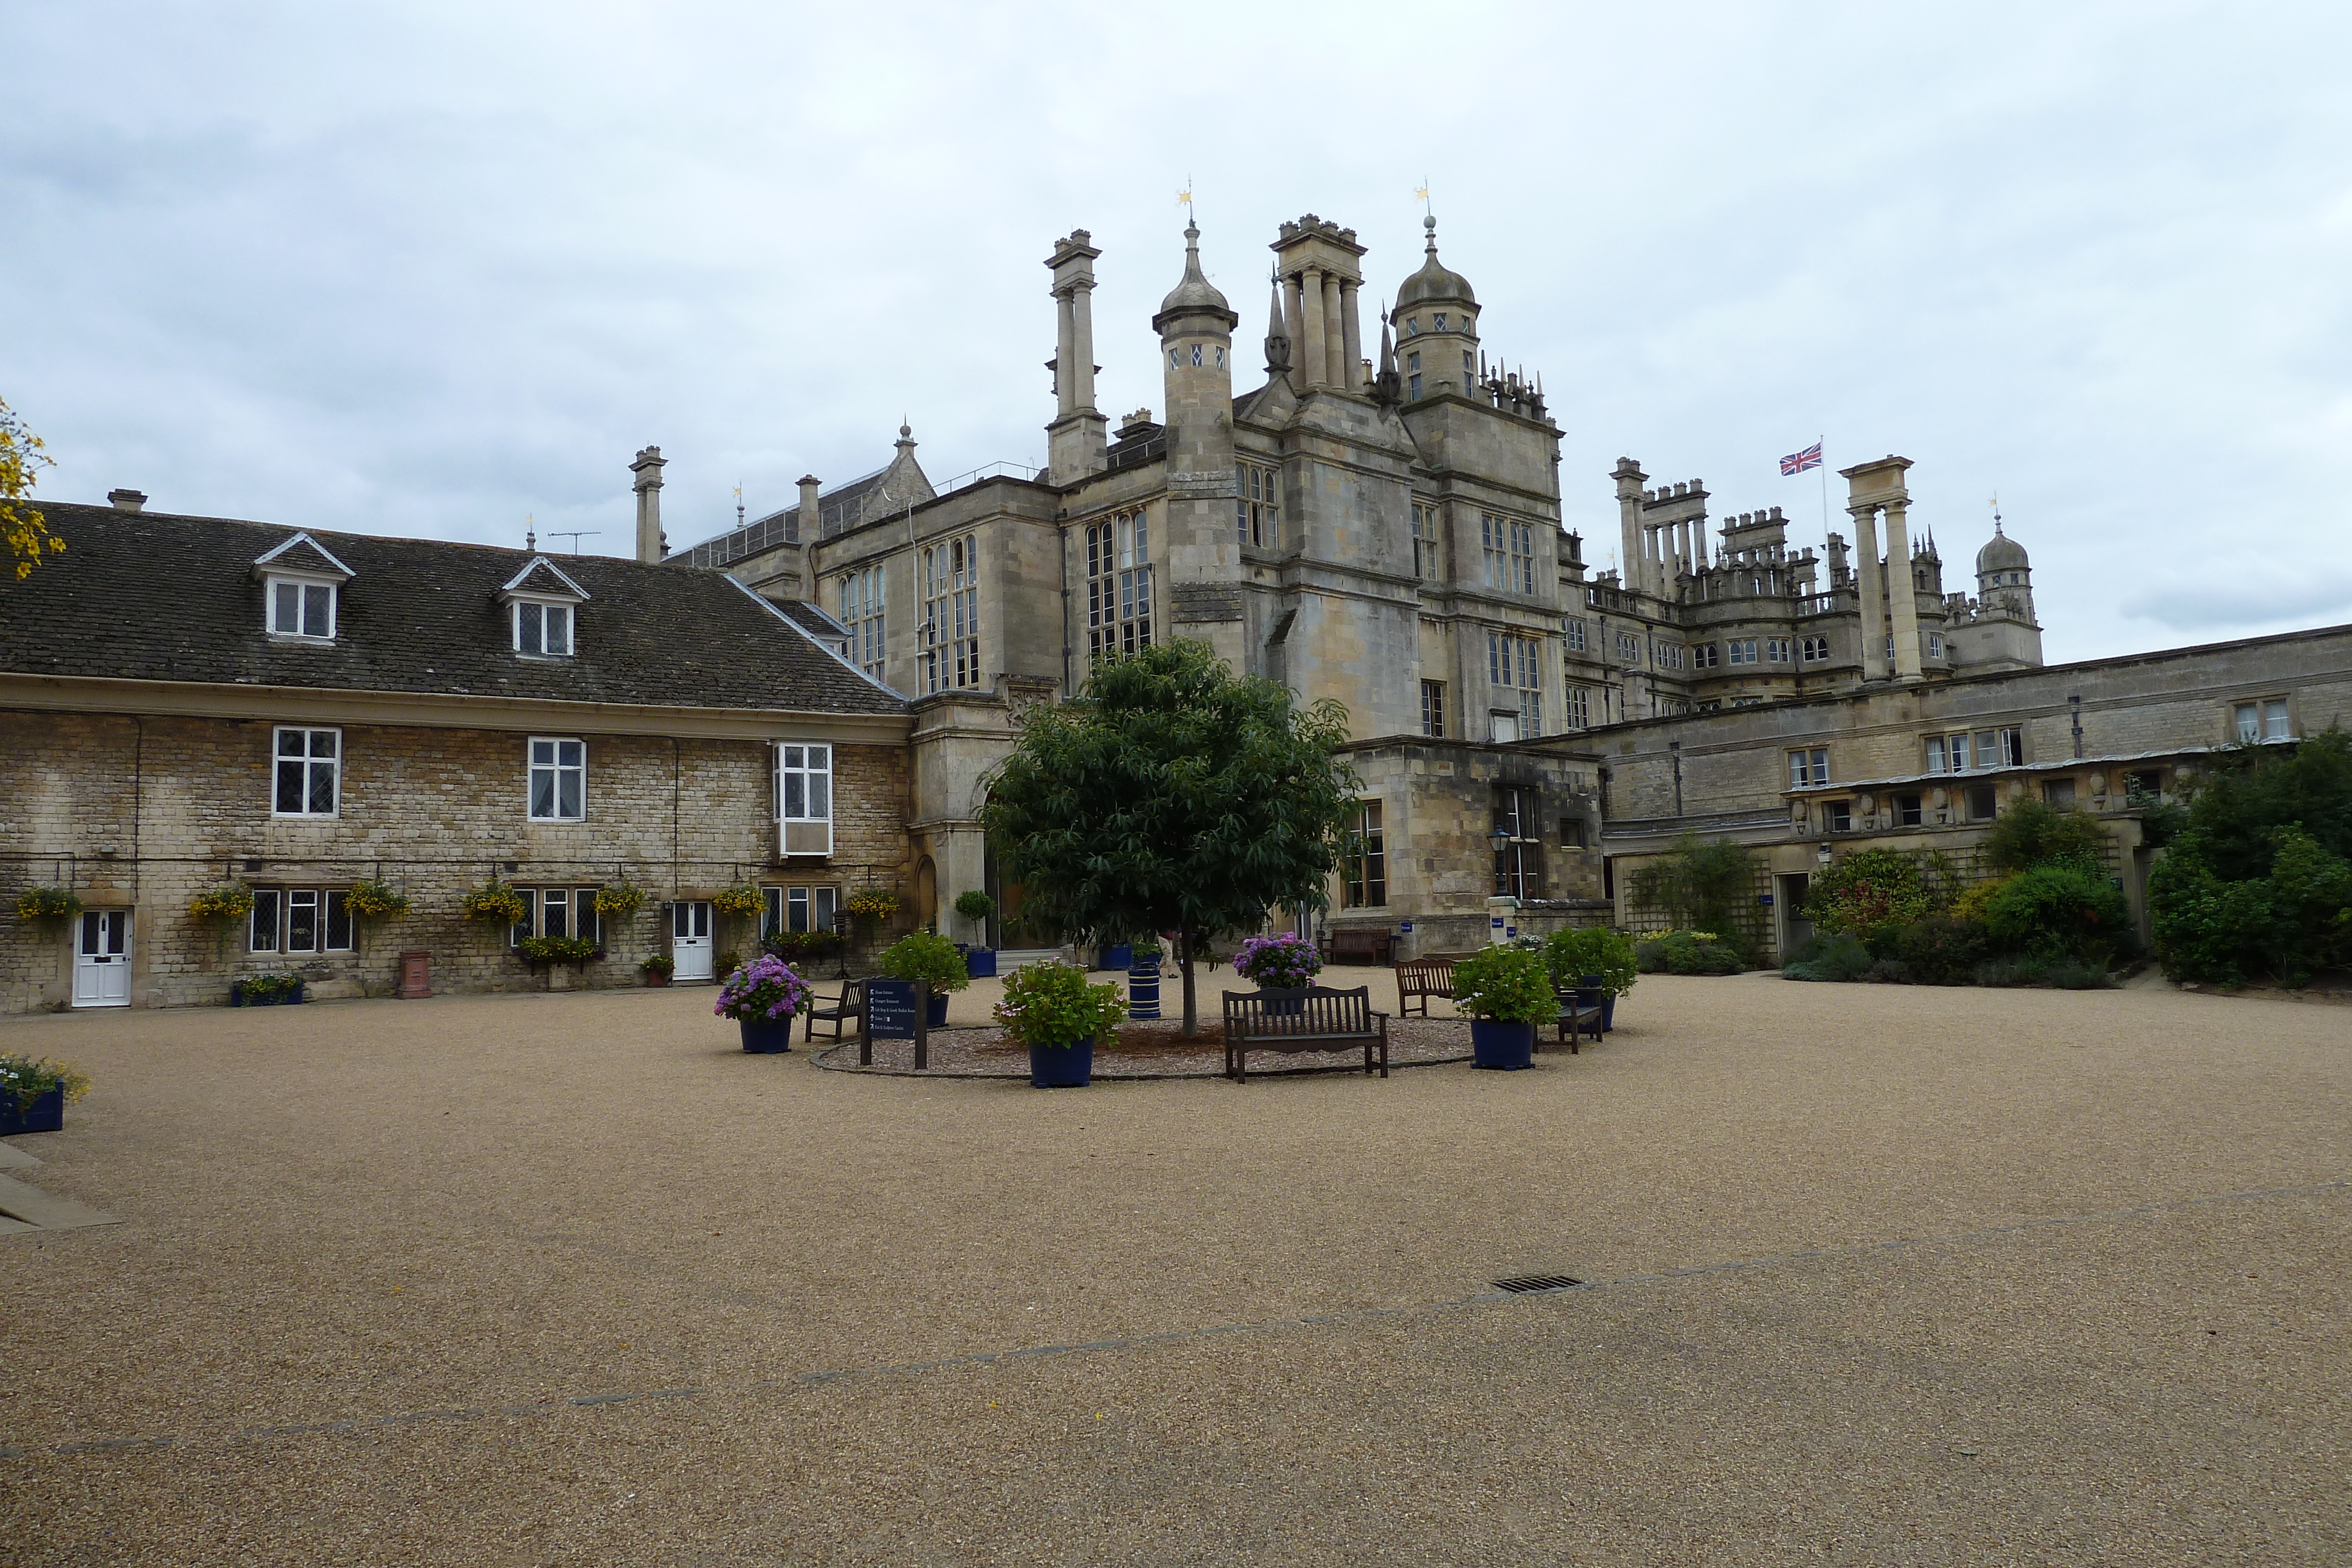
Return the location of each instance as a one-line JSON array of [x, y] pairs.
[[1422, 195], [739, 504], [1184, 198]]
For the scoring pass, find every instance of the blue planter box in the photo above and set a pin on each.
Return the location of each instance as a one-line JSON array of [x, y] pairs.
[[1061, 1066], [47, 1114], [1590, 994], [1287, 1001], [1119, 957], [1504, 1047], [766, 1038], [979, 963], [238, 999], [1143, 990]]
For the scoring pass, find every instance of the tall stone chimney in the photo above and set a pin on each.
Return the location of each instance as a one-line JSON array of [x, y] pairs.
[[651, 546], [127, 500], [812, 526]]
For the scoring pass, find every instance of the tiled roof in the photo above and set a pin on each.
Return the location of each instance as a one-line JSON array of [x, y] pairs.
[[156, 597]]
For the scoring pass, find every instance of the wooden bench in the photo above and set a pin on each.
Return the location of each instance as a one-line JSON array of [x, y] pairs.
[[1359, 944], [1418, 979], [1575, 1017], [1302, 1018], [838, 1012]]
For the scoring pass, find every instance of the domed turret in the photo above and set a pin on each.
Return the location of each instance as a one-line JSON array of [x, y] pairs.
[[2004, 575], [1193, 291], [2001, 554], [1436, 318]]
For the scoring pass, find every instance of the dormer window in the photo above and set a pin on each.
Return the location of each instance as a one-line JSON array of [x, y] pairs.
[[543, 610], [301, 584], [299, 608], [542, 628]]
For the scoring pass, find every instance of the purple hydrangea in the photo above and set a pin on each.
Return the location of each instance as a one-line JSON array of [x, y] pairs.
[[1281, 960], [765, 990]]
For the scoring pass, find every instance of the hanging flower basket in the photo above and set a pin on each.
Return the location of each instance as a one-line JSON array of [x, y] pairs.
[[494, 901], [370, 899], [48, 905], [741, 900], [620, 898], [873, 904]]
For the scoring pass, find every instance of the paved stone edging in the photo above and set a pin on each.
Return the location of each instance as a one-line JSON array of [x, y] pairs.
[[988, 1358]]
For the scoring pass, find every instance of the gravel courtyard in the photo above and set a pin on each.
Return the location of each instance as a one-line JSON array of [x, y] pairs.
[[1875, 1276]]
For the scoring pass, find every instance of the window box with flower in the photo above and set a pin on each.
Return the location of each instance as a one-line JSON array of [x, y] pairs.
[[35, 1092]]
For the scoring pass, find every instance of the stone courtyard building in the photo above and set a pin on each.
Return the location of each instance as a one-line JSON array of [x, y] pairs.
[[187, 702]]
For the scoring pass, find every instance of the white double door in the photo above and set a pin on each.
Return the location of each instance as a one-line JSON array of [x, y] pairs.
[[103, 960], [689, 940]]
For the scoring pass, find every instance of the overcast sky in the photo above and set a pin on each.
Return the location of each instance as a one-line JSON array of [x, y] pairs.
[[431, 269]]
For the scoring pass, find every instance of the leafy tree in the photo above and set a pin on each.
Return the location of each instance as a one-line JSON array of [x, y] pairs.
[[2258, 880], [1171, 795], [2059, 910], [22, 457]]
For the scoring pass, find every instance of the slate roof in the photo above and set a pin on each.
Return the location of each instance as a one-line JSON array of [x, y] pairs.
[[151, 596]]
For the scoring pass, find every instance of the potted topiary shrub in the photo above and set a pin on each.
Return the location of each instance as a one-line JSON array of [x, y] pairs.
[[1597, 963], [762, 998], [1507, 992], [928, 962], [980, 960], [1052, 1009], [34, 1094], [1277, 964], [657, 968]]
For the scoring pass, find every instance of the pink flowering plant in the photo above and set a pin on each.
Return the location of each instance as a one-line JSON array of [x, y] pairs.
[[765, 990], [1284, 960]]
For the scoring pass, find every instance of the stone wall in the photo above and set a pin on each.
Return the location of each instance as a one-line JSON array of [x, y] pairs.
[[144, 813]]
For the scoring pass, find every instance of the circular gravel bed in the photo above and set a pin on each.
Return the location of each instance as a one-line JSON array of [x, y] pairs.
[[1147, 1050]]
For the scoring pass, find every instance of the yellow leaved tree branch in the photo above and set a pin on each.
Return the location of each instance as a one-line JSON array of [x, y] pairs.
[[22, 457]]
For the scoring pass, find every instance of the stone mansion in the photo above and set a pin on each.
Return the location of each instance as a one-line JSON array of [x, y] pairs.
[[811, 702]]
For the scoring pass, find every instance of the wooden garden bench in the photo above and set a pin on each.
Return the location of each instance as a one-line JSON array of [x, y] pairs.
[[1575, 1018], [839, 1013], [1359, 944], [1418, 979], [1324, 1021]]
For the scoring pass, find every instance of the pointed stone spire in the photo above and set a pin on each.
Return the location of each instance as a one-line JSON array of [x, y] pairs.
[[1388, 387], [1277, 337]]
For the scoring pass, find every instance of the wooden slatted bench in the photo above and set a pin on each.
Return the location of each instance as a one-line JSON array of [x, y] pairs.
[[1418, 979], [1575, 1018], [1302, 1018], [1358, 943], [837, 1013]]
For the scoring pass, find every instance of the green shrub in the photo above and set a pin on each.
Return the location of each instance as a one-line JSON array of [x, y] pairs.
[[1867, 891], [924, 957], [1510, 985], [1574, 953], [1053, 1004], [1941, 950], [1688, 953], [1839, 956], [2060, 974], [2060, 911], [2034, 832]]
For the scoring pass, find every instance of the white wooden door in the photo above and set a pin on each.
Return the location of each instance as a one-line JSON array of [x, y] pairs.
[[689, 940], [103, 960]]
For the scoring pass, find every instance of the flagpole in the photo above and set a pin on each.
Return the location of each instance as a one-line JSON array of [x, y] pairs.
[[1824, 467]]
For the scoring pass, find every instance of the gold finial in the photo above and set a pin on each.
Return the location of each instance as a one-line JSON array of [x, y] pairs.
[[1422, 195], [1184, 196]]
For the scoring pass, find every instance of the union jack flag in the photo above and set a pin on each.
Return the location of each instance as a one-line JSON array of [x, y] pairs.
[[1797, 462]]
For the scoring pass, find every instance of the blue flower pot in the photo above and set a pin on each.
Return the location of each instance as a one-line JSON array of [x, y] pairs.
[[1143, 990], [766, 1038], [47, 1114], [1504, 1047], [1061, 1066], [1287, 1001], [979, 963], [1119, 957], [1590, 992]]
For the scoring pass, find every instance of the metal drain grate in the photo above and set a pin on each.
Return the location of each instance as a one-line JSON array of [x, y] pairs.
[[1530, 1284]]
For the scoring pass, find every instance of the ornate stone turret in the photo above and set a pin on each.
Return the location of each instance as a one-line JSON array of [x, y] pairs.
[[1439, 313], [1320, 266], [1196, 348]]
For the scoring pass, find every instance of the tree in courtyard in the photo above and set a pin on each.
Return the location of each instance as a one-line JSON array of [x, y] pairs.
[[22, 457], [1171, 795]]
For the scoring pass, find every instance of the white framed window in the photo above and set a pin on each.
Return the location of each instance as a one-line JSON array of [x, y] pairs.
[[1119, 585], [1809, 767], [1934, 644], [1815, 648], [1433, 708], [1363, 862], [299, 920], [557, 912], [1776, 650], [2266, 719], [302, 607], [542, 628], [798, 909], [1510, 550], [1257, 510], [559, 779], [1966, 751], [1428, 555], [1571, 627], [308, 773], [1629, 648], [1515, 663], [804, 797], [1666, 655], [862, 611], [1576, 705], [1703, 655], [950, 579], [1741, 650]]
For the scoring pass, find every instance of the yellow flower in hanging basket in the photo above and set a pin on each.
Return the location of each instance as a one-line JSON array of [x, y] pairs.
[[229, 903], [371, 900], [622, 897], [47, 904], [493, 900], [741, 899], [873, 904]]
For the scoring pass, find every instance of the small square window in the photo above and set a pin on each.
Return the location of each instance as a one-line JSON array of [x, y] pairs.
[[559, 779], [299, 609], [542, 628], [1840, 816], [308, 773], [1982, 806], [1906, 810]]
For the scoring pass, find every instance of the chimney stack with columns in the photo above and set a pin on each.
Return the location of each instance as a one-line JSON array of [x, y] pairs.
[[1873, 487], [1074, 442], [812, 526], [651, 546]]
